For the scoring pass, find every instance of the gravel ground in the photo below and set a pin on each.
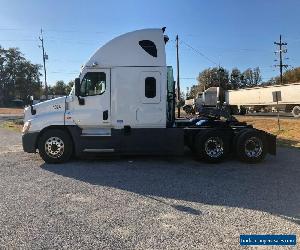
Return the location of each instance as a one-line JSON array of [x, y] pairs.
[[143, 202]]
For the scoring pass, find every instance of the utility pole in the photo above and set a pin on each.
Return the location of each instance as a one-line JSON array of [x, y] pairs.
[[45, 57], [282, 50], [219, 74], [178, 83], [277, 94]]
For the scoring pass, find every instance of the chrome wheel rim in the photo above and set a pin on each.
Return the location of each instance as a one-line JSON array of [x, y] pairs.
[[54, 147], [214, 147], [253, 147]]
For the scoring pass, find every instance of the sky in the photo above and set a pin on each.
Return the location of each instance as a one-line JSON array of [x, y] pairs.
[[231, 33]]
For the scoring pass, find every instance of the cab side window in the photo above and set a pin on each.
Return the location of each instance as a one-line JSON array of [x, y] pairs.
[[93, 83], [150, 87]]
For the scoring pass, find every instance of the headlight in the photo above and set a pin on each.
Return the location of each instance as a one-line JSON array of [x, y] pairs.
[[26, 127]]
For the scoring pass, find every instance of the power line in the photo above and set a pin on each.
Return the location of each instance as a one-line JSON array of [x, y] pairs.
[[200, 53], [76, 31], [61, 72], [10, 29], [55, 30], [18, 40]]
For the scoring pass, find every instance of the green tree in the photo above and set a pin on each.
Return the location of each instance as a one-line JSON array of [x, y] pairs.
[[256, 76], [18, 76], [59, 88], [247, 78], [214, 77], [27, 81], [205, 78], [194, 91], [69, 86], [290, 76], [251, 77], [235, 78]]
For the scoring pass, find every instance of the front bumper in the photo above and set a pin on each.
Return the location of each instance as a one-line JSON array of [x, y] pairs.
[[29, 141]]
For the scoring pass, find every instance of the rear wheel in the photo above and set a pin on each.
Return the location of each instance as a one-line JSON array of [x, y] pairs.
[[211, 146], [296, 111], [251, 146], [55, 146]]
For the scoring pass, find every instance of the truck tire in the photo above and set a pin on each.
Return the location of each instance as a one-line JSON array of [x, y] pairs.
[[251, 146], [296, 111], [55, 146], [212, 146]]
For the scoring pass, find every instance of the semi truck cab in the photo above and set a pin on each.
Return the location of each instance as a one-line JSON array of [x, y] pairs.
[[123, 102]]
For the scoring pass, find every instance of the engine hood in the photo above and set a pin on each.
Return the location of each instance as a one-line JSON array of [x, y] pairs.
[[50, 106]]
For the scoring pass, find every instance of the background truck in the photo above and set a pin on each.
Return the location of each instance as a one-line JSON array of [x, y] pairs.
[[123, 102], [257, 99], [263, 99]]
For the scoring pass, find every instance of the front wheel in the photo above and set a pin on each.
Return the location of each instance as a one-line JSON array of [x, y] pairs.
[[251, 146], [55, 146]]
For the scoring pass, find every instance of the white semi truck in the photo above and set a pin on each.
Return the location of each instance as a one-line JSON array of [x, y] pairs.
[[123, 102]]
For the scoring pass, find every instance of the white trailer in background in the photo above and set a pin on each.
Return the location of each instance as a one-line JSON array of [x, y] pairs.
[[262, 99], [257, 99]]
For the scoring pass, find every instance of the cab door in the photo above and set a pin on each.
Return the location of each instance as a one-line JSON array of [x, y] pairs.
[[150, 111], [92, 108]]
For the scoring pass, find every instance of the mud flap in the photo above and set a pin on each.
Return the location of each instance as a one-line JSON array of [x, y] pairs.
[[271, 142]]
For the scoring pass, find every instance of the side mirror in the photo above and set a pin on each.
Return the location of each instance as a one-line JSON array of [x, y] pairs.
[[29, 100], [77, 91], [77, 86]]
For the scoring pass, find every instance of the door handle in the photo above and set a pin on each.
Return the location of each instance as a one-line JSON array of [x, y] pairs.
[[105, 115]]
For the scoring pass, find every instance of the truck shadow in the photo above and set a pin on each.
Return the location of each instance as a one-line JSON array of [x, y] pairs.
[[271, 186]]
